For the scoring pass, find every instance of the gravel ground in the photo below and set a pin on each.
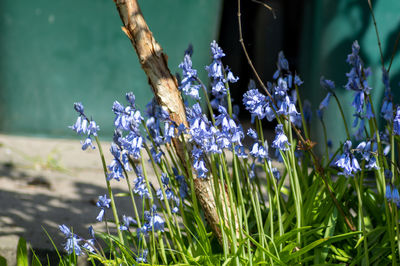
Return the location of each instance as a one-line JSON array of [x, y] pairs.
[[47, 182]]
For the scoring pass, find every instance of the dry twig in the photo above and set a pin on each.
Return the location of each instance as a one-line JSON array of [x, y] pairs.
[[165, 89]]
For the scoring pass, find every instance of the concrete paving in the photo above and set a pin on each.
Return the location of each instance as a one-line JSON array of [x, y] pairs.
[[48, 182]]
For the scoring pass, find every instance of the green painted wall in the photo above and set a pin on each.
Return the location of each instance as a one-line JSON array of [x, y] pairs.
[[330, 29], [56, 52]]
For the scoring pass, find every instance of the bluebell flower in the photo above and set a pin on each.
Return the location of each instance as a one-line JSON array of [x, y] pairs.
[[156, 154], [358, 102], [189, 77], [169, 131], [142, 256], [130, 97], [396, 122], [216, 72], [396, 196], [91, 232], [347, 161], [369, 113], [230, 131], [357, 79], [255, 103], [259, 151], [252, 134], [387, 110], [181, 129], [281, 141], [140, 187], [392, 195], [388, 174], [282, 64], [282, 87], [89, 245], [200, 167], [79, 108], [367, 150], [388, 193], [327, 84], [325, 102], [92, 128], [216, 51], [168, 191], [252, 173], [72, 244], [275, 173], [126, 222], [132, 143], [84, 126], [80, 125], [286, 107], [183, 188], [230, 77], [115, 169], [297, 80], [87, 143], [154, 221], [240, 151], [198, 162], [127, 118], [102, 203]]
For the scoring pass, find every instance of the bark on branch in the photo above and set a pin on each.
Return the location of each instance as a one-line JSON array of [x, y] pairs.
[[165, 89]]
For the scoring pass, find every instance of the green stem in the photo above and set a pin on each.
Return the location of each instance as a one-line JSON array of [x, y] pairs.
[[301, 112], [361, 213], [342, 114], [110, 193]]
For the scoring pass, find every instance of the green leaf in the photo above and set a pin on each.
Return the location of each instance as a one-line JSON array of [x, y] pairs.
[[35, 259], [3, 261], [272, 256], [327, 240], [122, 194], [22, 253], [291, 234]]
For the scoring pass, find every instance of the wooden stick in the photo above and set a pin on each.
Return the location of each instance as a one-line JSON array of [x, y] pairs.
[[165, 89]]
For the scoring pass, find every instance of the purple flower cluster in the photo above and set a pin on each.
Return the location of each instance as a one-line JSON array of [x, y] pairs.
[[189, 76], [392, 195], [357, 82], [225, 134], [126, 222], [348, 161], [282, 103], [103, 203], [281, 141], [219, 75], [127, 120], [367, 151], [257, 104], [153, 222], [76, 244], [84, 126], [118, 164]]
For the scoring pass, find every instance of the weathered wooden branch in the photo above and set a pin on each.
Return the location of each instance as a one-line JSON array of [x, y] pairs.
[[165, 89]]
